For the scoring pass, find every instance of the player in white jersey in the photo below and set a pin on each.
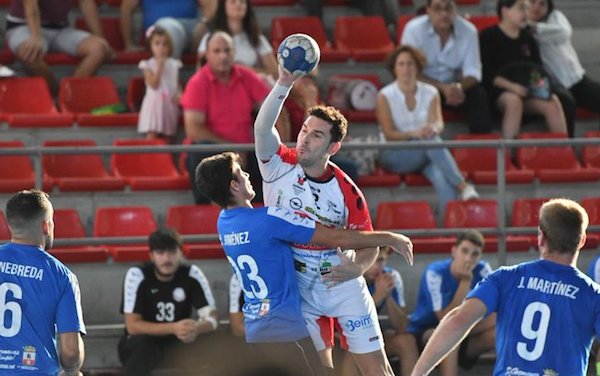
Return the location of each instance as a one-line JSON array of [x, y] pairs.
[[304, 180]]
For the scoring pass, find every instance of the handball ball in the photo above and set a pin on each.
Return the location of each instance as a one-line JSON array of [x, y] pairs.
[[299, 54]]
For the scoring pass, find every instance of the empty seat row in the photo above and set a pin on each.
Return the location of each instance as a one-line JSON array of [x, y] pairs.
[[547, 164], [86, 172], [129, 222], [409, 215]]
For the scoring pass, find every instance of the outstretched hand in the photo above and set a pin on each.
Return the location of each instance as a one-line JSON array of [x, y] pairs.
[[286, 78], [343, 272], [403, 246]]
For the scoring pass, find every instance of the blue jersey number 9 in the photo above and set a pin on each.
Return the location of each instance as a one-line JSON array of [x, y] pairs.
[[529, 332], [11, 308], [246, 266]]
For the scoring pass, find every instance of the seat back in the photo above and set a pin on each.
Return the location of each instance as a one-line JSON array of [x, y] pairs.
[[194, 219], [401, 24], [471, 214], [361, 32], [590, 155], [111, 29], [483, 22], [15, 166], [73, 165], [143, 164], [124, 221], [526, 211], [28, 95], [67, 224], [592, 207], [546, 157], [4, 230], [478, 159], [404, 215], [281, 27], [136, 89], [82, 94]]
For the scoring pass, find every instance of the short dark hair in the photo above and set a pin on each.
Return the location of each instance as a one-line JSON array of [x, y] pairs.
[[26, 207], [473, 236], [164, 239], [550, 9], [417, 55], [563, 223], [431, 1], [339, 123], [504, 4], [214, 175]]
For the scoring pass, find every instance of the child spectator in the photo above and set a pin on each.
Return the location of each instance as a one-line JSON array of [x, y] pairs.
[[160, 110]]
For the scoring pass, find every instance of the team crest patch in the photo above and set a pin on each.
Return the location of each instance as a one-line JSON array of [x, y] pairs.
[[28, 356], [179, 294], [550, 372], [265, 307]]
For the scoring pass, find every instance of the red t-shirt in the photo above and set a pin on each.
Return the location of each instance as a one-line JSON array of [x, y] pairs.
[[228, 107]]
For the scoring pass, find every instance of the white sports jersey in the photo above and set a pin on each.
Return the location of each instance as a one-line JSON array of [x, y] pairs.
[[334, 203]]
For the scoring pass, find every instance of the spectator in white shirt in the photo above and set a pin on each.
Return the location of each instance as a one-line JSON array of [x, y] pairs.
[[451, 46], [553, 32]]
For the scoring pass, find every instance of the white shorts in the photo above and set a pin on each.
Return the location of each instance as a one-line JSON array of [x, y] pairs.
[[64, 40], [351, 306]]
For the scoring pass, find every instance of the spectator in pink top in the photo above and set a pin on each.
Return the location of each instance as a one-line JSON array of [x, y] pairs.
[[35, 27], [219, 102]]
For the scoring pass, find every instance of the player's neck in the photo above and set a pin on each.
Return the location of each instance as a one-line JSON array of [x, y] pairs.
[[567, 259], [28, 241], [318, 172], [240, 203]]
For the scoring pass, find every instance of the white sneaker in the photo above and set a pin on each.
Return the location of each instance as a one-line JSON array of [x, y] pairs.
[[469, 193], [6, 71]]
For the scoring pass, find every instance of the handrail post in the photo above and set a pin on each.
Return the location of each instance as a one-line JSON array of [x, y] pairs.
[[501, 168], [37, 164]]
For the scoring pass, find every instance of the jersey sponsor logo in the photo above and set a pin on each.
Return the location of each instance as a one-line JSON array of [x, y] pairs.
[[373, 339], [179, 294], [550, 372], [362, 322], [515, 371], [299, 266], [153, 291], [325, 268], [19, 270], [295, 203], [8, 355], [301, 179], [547, 287], [28, 356]]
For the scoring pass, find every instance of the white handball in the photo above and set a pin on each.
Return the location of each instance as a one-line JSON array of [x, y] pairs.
[[299, 54]]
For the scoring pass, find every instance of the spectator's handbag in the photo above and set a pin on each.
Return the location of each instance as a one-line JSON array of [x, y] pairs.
[[352, 94], [530, 75]]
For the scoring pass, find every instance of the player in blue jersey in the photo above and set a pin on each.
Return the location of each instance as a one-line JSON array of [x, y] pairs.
[[39, 296], [548, 311], [257, 245], [444, 285], [594, 269]]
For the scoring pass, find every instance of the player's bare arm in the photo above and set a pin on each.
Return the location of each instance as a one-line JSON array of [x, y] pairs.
[[71, 353]]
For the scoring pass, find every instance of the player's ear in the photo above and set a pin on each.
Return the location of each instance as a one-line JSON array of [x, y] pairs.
[[46, 227], [234, 186], [582, 241], [541, 238], [334, 147]]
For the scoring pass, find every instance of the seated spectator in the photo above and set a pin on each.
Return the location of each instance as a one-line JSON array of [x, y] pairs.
[[236, 302], [553, 32], [387, 290], [218, 105], [409, 110], [184, 20], [160, 108], [158, 298], [513, 75], [34, 28], [444, 285], [453, 66], [252, 49]]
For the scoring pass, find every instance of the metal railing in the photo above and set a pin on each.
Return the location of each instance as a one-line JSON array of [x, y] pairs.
[[501, 146]]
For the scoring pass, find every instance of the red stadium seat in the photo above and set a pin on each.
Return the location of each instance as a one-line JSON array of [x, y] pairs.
[[19, 109], [147, 171], [525, 213], [17, 171], [592, 207], [79, 172], [556, 164], [67, 224], [483, 22], [413, 215], [481, 214], [351, 114], [136, 89], [125, 221], [281, 27], [365, 37], [111, 27], [401, 24], [480, 164], [273, 3], [583, 114], [79, 95], [379, 178], [590, 155], [197, 219], [4, 230]]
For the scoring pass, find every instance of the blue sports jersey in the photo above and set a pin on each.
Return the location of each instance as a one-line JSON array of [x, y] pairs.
[[547, 317], [594, 269], [256, 242], [437, 290], [397, 292], [39, 297], [155, 9]]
